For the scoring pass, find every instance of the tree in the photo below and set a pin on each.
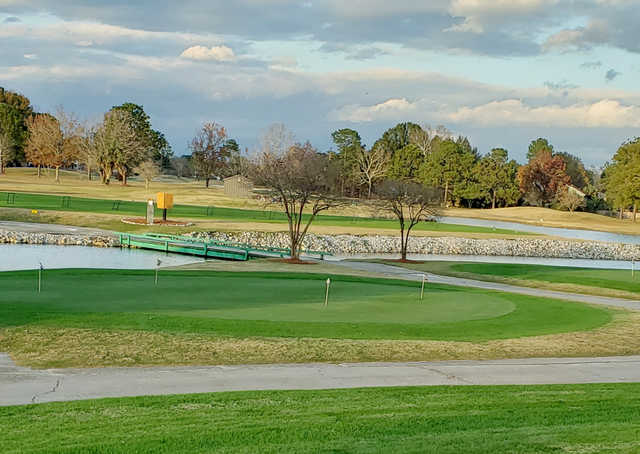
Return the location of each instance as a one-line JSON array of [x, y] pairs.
[[537, 146], [446, 166], [570, 199], [297, 179], [372, 165], [157, 145], [398, 137], [148, 170], [53, 141], [7, 145], [115, 145], [542, 178], [350, 148], [623, 176], [580, 177], [404, 163], [497, 177], [15, 109], [210, 151], [411, 203]]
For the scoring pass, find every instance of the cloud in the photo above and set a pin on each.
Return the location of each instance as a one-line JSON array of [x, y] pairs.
[[562, 85], [11, 20], [611, 75], [390, 109], [606, 113], [203, 53]]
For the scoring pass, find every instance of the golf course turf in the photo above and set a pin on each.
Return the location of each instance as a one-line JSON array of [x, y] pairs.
[[106, 206], [281, 305], [498, 419], [597, 281]]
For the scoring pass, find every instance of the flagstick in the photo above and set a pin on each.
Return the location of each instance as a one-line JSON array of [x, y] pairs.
[[158, 263], [156, 276], [39, 278], [633, 268], [326, 296], [424, 278]]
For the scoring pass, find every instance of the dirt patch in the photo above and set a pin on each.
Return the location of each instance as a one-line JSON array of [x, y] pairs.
[[143, 221], [294, 261]]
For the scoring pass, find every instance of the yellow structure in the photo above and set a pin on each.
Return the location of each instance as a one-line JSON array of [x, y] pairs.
[[165, 200]]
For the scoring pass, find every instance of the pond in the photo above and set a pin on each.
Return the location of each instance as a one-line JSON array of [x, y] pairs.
[[28, 257], [577, 234]]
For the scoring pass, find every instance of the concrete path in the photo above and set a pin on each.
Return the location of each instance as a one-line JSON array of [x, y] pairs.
[[30, 227], [24, 386], [403, 273]]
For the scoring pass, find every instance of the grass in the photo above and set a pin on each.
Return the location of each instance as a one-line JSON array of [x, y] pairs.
[[62, 203], [598, 418], [282, 305], [604, 282]]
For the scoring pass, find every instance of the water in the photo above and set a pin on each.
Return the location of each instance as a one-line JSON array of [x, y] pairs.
[[28, 257], [592, 235], [575, 263]]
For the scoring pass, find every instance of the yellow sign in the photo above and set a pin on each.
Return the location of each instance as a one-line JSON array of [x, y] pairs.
[[34, 211], [165, 200]]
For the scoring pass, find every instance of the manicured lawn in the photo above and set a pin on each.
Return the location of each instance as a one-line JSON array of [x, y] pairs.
[[281, 305], [538, 275], [499, 419], [79, 204]]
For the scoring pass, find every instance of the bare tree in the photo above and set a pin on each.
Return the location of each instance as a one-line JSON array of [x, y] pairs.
[[296, 179], [148, 170], [209, 151], [372, 165], [6, 149], [424, 136], [53, 141], [411, 203], [570, 199]]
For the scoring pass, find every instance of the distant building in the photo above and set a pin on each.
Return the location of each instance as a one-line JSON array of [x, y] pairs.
[[238, 186], [575, 190]]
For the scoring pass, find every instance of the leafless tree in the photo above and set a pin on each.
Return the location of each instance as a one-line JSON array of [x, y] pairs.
[[53, 141], [209, 151], [6, 148], [411, 203], [372, 165], [296, 179], [424, 136], [148, 170], [570, 199]]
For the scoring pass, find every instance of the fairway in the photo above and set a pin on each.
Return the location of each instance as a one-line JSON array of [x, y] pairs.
[[204, 212], [497, 419], [597, 281], [281, 305]]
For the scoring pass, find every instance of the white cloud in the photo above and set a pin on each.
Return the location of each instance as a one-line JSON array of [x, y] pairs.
[[478, 14], [203, 53], [387, 110], [605, 113]]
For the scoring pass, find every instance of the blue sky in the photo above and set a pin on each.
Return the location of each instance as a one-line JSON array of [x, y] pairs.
[[502, 72]]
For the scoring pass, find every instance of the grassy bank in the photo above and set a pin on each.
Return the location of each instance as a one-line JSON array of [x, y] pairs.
[[603, 282], [522, 419]]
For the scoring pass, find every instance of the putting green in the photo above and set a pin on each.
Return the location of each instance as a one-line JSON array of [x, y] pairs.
[[285, 305]]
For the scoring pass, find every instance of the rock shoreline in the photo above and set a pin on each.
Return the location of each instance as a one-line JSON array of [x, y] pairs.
[[62, 239], [376, 244], [341, 245]]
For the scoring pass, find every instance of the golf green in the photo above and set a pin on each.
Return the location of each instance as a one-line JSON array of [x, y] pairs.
[[281, 305]]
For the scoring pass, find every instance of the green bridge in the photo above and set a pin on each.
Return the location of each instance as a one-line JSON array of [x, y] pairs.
[[203, 248]]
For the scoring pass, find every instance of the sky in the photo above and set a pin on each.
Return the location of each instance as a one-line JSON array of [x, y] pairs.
[[501, 72]]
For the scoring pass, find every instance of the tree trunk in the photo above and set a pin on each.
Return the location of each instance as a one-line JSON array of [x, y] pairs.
[[207, 182], [88, 173], [146, 184], [620, 214], [369, 192], [493, 201], [446, 193], [635, 210], [124, 178], [57, 174], [38, 171]]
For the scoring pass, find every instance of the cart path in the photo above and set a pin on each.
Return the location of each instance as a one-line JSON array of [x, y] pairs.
[[398, 272], [20, 385], [31, 227]]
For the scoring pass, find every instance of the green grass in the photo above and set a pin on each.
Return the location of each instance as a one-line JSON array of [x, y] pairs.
[[281, 305], [78, 204], [587, 280], [500, 419]]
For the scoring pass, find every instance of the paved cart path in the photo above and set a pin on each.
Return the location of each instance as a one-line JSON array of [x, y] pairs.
[[24, 386], [31, 227], [404, 273]]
